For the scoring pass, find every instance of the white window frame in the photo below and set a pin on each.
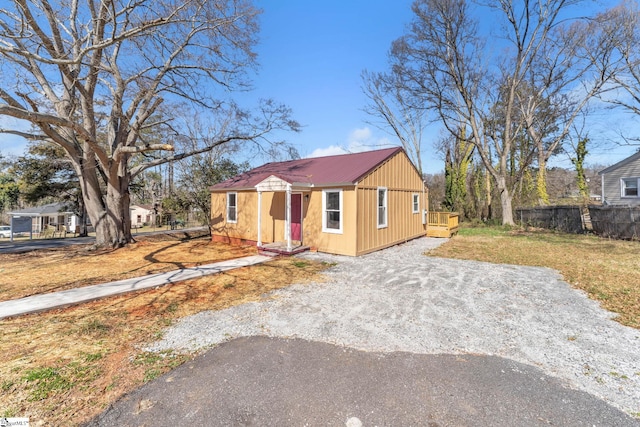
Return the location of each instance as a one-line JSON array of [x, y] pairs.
[[623, 187], [326, 229], [415, 203], [234, 220], [384, 207]]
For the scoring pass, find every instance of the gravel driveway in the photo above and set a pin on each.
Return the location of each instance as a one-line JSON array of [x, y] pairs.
[[400, 300]]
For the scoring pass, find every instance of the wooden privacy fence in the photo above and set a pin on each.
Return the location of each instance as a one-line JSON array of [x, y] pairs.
[[569, 219], [616, 222], [442, 224]]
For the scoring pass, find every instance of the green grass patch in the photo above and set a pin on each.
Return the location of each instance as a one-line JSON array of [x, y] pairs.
[[6, 385], [488, 231], [44, 381], [172, 307], [93, 357]]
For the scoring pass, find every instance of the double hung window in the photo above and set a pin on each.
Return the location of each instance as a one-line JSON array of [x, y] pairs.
[[382, 207], [232, 207], [629, 187], [332, 211]]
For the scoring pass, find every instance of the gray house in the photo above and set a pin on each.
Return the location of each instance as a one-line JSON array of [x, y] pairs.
[[54, 215], [620, 182]]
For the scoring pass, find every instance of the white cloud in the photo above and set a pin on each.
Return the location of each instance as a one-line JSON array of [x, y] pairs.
[[360, 135], [358, 141], [331, 150]]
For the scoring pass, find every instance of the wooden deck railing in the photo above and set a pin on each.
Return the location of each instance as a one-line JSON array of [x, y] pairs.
[[442, 224]]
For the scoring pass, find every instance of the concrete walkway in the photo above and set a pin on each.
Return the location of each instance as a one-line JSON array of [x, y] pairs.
[[42, 302]]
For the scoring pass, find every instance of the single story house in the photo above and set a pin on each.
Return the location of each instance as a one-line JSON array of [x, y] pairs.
[[141, 215], [620, 182], [56, 215], [347, 204]]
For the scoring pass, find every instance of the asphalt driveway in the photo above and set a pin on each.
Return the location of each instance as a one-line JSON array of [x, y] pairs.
[[443, 341], [262, 381]]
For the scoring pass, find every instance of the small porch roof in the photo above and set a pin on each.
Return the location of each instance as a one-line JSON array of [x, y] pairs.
[[275, 184]]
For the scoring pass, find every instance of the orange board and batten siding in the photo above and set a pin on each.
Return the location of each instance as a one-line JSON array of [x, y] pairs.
[[402, 181], [245, 229], [341, 244], [360, 231]]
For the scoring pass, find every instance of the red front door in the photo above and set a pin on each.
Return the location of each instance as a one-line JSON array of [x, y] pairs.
[[296, 217]]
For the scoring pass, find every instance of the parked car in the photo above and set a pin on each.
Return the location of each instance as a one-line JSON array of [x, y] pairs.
[[5, 231]]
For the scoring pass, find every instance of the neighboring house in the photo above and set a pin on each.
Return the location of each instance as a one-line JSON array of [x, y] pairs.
[[620, 182], [141, 215], [349, 204], [55, 215]]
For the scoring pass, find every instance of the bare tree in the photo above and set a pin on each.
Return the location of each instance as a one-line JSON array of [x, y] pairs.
[[390, 102], [93, 77], [621, 25], [463, 74]]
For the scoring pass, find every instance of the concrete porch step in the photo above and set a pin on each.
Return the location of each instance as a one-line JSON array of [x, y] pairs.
[[267, 253], [280, 248]]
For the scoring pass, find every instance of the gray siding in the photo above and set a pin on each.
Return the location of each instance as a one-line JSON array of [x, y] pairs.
[[611, 185]]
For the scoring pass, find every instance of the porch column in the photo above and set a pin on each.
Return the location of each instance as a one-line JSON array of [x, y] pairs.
[[287, 222], [259, 218]]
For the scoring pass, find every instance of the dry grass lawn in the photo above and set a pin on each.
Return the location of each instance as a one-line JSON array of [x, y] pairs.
[[65, 366], [608, 270]]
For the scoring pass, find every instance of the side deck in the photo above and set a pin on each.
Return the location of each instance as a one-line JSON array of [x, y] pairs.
[[442, 224]]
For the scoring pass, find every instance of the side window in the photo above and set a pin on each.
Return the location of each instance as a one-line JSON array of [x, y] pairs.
[[382, 207], [416, 203], [332, 211], [629, 187], [232, 207]]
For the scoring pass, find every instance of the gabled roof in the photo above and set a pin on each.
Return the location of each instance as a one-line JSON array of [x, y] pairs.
[[50, 209], [140, 205], [621, 163], [319, 171]]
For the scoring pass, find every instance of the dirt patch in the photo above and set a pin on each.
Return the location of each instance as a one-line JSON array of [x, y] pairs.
[[45, 271], [65, 366]]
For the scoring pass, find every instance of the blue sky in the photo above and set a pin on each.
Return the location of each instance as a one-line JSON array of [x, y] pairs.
[[311, 56], [313, 53]]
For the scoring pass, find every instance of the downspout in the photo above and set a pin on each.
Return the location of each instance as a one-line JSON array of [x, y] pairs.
[[425, 204], [287, 222], [259, 243]]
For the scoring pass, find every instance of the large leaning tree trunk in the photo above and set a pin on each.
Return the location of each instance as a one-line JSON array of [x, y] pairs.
[[97, 77]]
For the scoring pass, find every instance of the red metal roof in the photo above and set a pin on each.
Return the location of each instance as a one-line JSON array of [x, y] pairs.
[[318, 171]]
